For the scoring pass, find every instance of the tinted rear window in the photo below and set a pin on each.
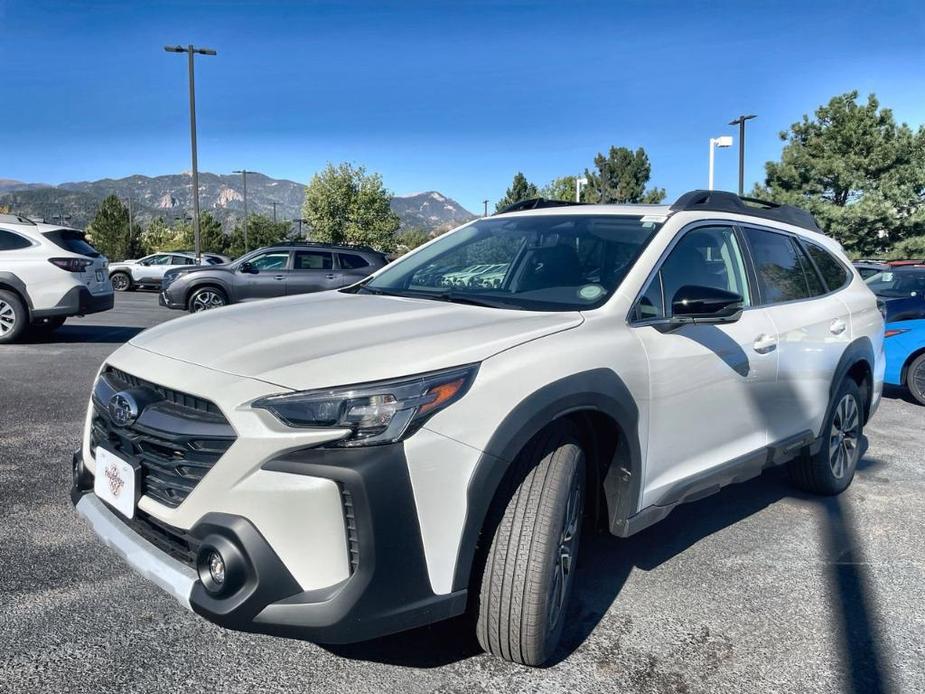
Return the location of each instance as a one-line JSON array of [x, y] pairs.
[[11, 242], [351, 261], [833, 272], [73, 241]]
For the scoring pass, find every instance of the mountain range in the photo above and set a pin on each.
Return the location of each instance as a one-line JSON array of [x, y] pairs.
[[170, 197]]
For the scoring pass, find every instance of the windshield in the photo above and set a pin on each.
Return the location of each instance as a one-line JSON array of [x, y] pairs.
[[72, 240], [896, 283], [541, 263]]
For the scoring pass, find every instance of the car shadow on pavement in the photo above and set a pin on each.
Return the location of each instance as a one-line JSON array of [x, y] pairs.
[[898, 393], [606, 563], [99, 334]]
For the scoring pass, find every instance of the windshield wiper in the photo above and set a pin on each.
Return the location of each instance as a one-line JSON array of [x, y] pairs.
[[458, 298], [366, 289]]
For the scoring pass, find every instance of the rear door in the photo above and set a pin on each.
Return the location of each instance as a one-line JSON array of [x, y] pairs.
[[354, 267], [271, 276], [312, 271], [813, 327]]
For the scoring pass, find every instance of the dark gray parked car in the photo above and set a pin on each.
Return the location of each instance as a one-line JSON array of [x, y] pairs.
[[280, 270]]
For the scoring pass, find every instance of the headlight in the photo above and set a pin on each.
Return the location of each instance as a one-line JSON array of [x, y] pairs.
[[375, 413]]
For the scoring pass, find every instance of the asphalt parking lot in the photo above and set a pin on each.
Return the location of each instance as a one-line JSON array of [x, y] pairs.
[[758, 588]]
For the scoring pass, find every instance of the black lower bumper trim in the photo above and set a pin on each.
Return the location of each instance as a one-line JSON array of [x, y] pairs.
[[164, 300], [78, 301]]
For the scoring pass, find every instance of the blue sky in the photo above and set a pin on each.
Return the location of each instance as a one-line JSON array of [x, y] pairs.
[[451, 96]]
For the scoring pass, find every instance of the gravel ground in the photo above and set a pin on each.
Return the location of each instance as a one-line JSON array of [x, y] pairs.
[[758, 588]]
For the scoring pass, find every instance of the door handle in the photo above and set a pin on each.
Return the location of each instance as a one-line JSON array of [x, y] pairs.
[[329, 276], [838, 326], [280, 277], [765, 343]]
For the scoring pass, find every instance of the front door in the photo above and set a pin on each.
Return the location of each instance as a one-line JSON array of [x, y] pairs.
[[269, 280], [709, 384]]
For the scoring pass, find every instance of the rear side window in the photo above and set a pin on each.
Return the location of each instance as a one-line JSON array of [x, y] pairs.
[[313, 260], [73, 241], [833, 272], [11, 242], [784, 273], [349, 261], [181, 260]]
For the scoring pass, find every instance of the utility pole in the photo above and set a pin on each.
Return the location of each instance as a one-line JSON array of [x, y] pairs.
[[274, 203], [300, 220], [485, 203], [191, 51], [244, 173], [740, 121]]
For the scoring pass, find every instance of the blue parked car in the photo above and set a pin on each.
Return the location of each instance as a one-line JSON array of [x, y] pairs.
[[903, 291], [905, 356]]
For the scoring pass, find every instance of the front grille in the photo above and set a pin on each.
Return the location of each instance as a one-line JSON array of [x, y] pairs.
[[175, 542], [176, 439]]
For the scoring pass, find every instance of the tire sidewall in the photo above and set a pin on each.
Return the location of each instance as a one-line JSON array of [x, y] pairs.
[[917, 364], [836, 484], [121, 275], [200, 290], [21, 316]]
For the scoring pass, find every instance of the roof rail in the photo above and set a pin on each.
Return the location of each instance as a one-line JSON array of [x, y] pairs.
[[315, 244], [723, 201], [16, 219], [536, 204]]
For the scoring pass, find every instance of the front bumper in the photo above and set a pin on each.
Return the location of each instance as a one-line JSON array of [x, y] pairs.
[[78, 301], [165, 299], [388, 589]]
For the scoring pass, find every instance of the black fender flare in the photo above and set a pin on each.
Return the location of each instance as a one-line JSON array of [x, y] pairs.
[[860, 350], [597, 390], [207, 282], [8, 279]]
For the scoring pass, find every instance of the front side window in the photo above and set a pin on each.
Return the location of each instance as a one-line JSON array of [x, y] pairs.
[[833, 272], [555, 262], [271, 261], [11, 242], [706, 256], [784, 273], [313, 260]]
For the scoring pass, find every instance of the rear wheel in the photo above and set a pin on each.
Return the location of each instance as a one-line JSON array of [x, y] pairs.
[[530, 567], [207, 298], [13, 317], [915, 379], [832, 468], [121, 281]]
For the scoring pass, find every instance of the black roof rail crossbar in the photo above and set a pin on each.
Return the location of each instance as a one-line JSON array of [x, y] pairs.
[[16, 219], [322, 244], [536, 204], [723, 201]]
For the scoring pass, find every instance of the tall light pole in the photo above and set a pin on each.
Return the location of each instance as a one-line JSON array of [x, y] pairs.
[[721, 141], [191, 51], [244, 173], [274, 203], [579, 182], [485, 203], [300, 220], [740, 121]]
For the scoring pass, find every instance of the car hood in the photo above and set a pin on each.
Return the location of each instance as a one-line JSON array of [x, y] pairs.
[[336, 338]]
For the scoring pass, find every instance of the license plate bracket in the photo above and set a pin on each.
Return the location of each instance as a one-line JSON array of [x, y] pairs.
[[117, 481]]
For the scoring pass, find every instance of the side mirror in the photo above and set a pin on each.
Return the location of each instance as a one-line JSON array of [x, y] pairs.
[[696, 304], [248, 268]]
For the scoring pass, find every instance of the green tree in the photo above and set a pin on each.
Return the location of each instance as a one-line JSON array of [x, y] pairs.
[[621, 177], [345, 204], [856, 170], [261, 231], [521, 189], [912, 248], [110, 231], [212, 238], [156, 237], [561, 188], [410, 239]]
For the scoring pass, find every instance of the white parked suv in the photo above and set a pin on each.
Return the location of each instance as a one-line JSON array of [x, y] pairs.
[[47, 273], [346, 464], [128, 275]]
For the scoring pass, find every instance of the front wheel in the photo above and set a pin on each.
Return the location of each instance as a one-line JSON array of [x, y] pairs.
[[832, 468], [915, 379], [530, 567], [121, 282], [13, 317], [207, 298]]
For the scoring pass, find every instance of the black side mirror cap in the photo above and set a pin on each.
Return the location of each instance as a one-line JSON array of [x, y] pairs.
[[249, 268], [697, 304]]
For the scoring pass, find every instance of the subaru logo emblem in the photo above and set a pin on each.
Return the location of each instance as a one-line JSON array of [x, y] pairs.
[[123, 409]]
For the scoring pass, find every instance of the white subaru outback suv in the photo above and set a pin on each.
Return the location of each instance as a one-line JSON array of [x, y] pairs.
[[47, 273], [342, 465]]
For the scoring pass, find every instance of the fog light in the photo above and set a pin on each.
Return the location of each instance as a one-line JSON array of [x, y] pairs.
[[217, 568]]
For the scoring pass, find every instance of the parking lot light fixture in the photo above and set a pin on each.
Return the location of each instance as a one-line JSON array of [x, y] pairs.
[[579, 182], [740, 121], [191, 51], [721, 141]]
